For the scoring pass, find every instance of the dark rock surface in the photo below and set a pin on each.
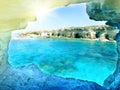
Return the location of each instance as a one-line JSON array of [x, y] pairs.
[[31, 78]]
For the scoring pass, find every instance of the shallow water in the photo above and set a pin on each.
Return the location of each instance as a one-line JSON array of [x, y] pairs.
[[87, 60]]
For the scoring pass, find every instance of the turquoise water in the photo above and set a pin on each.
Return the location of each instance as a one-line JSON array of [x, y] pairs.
[[87, 60]]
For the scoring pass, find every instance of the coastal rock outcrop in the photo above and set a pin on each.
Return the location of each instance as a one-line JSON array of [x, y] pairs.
[[31, 78], [108, 10], [103, 33]]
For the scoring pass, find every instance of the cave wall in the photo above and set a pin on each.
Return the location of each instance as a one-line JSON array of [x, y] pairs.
[[108, 10], [15, 14], [104, 10]]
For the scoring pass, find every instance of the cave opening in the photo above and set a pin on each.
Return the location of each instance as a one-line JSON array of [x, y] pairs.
[[77, 35], [67, 62], [16, 14]]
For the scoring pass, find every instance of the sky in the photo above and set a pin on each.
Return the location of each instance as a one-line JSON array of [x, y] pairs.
[[70, 16]]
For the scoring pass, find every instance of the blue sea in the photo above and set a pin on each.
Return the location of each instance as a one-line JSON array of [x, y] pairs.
[[80, 59]]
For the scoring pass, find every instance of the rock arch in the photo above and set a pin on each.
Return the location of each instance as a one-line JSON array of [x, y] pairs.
[[16, 14]]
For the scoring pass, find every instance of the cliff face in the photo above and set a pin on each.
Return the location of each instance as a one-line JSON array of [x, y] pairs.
[[102, 33], [108, 10], [104, 10]]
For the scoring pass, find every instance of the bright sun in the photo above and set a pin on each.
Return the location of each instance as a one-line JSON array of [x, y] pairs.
[[43, 12]]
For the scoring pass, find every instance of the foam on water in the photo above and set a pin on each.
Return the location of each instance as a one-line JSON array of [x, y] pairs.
[[87, 60]]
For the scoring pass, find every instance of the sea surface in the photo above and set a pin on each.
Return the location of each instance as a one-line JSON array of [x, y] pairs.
[[80, 59]]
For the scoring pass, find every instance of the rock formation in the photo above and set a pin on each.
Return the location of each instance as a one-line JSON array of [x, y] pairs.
[[31, 78], [15, 14], [102, 33], [108, 10]]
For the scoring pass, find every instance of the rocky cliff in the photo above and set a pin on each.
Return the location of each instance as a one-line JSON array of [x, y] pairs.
[[103, 33], [108, 10]]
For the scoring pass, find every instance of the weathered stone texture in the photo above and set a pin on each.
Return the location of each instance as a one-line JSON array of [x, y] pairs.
[[108, 10]]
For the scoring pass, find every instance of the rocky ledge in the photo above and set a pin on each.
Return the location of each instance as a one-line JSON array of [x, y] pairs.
[[31, 78], [103, 33]]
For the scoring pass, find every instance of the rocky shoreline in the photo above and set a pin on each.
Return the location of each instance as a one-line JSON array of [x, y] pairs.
[[31, 78], [102, 33]]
